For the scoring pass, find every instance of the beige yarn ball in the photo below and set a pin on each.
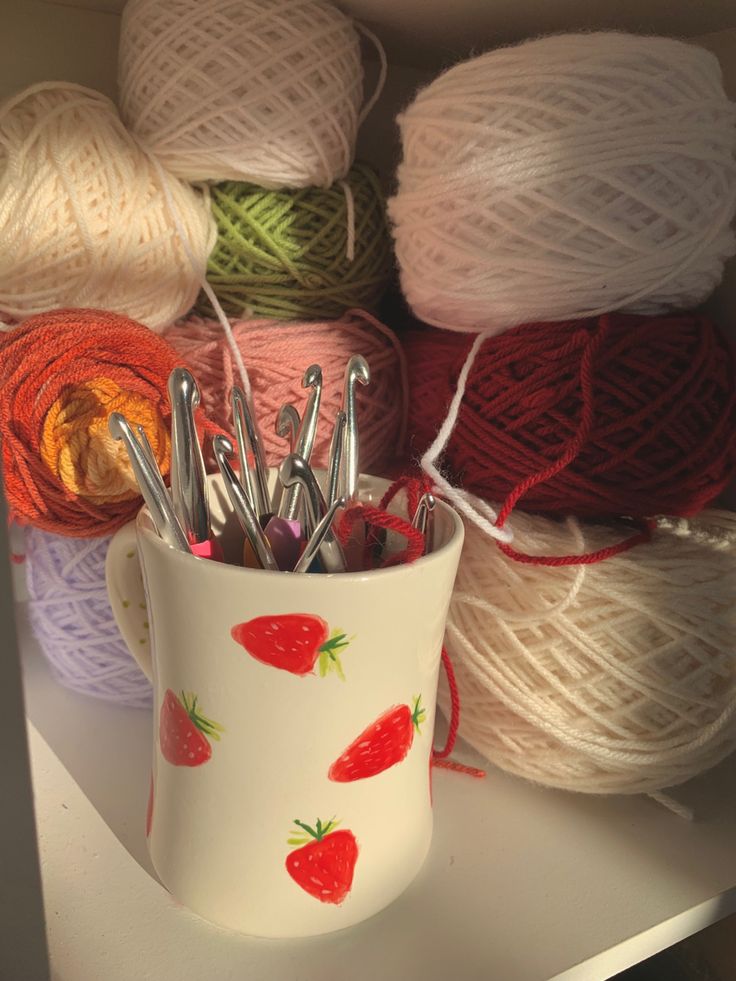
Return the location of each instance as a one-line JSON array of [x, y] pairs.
[[563, 178], [266, 91], [86, 217], [618, 677]]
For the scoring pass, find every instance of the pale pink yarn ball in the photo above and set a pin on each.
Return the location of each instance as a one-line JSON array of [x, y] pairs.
[[276, 356]]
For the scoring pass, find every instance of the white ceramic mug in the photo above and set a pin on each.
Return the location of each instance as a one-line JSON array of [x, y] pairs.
[[293, 729]]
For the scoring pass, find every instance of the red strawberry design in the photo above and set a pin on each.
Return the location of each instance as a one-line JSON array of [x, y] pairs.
[[324, 864], [183, 732], [149, 811], [292, 642], [383, 744]]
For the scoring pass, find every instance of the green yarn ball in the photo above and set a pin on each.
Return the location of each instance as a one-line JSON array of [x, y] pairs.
[[283, 253]]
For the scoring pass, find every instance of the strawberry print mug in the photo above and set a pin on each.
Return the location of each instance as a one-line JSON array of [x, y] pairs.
[[294, 714]]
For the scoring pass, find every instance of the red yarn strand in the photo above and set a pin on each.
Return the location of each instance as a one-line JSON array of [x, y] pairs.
[[587, 558]]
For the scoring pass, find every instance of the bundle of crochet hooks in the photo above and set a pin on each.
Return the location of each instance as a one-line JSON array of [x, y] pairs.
[[291, 529]]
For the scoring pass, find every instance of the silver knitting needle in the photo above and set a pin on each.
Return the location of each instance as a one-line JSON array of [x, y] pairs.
[[314, 544], [423, 520], [356, 371], [296, 471], [244, 512], [337, 446], [188, 475], [305, 437], [150, 482], [249, 439], [287, 426]]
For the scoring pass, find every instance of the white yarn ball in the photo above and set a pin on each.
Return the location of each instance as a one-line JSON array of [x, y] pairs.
[[267, 91], [86, 216], [563, 178], [618, 677]]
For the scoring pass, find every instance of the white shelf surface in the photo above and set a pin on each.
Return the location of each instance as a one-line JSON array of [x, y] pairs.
[[521, 884]]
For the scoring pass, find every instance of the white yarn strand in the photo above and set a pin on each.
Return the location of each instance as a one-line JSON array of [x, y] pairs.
[[84, 214], [267, 91], [617, 677], [476, 510], [563, 178]]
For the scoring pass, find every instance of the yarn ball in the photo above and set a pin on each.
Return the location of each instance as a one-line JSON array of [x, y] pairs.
[[277, 355], [563, 178], [72, 620], [87, 216], [304, 253], [266, 91], [61, 375], [617, 677], [618, 415]]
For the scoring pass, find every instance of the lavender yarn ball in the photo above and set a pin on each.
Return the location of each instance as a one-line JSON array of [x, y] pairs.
[[73, 622]]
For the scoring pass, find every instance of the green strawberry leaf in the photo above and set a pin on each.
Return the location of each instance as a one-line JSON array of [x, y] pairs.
[[206, 726], [419, 714], [329, 654], [312, 834]]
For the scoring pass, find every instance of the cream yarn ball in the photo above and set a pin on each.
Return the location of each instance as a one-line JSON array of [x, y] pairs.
[[563, 178], [618, 677], [266, 91], [86, 216]]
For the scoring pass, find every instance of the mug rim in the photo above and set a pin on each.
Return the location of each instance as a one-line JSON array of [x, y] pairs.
[[458, 532]]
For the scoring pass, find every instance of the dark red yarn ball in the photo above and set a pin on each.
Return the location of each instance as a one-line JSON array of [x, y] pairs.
[[616, 415]]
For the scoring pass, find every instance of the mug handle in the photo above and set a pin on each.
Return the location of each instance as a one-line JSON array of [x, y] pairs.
[[127, 596]]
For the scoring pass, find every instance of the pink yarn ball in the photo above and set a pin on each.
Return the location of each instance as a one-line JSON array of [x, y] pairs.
[[276, 356]]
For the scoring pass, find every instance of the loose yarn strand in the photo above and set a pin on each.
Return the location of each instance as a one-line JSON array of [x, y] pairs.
[[477, 511], [349, 220], [676, 807], [382, 73], [579, 437]]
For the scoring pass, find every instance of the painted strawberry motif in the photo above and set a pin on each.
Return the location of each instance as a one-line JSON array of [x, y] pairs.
[[184, 734], [383, 744], [293, 642], [149, 810], [324, 864]]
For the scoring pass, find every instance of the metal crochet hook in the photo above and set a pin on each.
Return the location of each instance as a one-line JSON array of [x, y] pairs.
[[337, 445], [150, 483], [188, 475], [287, 426], [314, 544], [249, 441], [423, 520], [356, 372], [296, 471], [305, 437], [244, 512]]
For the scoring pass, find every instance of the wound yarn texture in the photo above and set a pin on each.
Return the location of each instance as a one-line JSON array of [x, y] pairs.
[[85, 215], [566, 177], [61, 375], [614, 415], [617, 677], [300, 253], [266, 91], [73, 622], [277, 354]]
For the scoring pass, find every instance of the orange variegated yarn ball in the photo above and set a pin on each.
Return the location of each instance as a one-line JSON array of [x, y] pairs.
[[61, 375]]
